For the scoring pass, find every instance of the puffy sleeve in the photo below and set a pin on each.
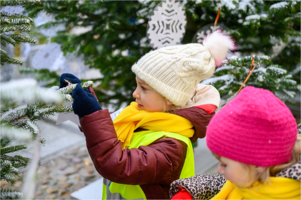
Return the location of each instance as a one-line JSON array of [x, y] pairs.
[[200, 186], [160, 162]]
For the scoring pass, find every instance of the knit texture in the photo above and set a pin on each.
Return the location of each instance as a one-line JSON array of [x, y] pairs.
[[254, 128], [175, 71]]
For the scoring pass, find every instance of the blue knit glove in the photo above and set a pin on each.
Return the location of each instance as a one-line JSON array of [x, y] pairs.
[[84, 103], [69, 77]]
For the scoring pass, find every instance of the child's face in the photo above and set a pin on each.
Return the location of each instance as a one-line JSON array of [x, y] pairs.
[[235, 172], [147, 98]]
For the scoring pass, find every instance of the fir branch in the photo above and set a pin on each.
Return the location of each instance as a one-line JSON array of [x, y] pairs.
[[16, 134], [20, 159], [16, 15], [12, 149], [64, 109], [16, 160], [33, 127], [18, 165], [8, 177], [7, 39], [4, 142], [18, 2], [21, 123], [10, 194], [69, 89], [21, 38], [3, 43], [26, 90], [21, 28], [13, 172], [43, 111], [9, 60], [67, 97], [16, 20], [4, 14], [12, 115], [3, 52], [4, 163]]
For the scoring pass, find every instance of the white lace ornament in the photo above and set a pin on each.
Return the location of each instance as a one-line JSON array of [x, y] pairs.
[[167, 25], [49, 57]]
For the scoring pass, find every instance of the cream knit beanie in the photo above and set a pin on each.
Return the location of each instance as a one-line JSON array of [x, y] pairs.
[[175, 71]]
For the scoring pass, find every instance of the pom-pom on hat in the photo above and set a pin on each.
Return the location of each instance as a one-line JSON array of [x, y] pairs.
[[175, 71], [255, 128]]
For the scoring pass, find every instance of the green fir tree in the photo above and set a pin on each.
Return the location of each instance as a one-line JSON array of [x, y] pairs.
[[22, 104], [229, 78], [18, 123], [117, 28]]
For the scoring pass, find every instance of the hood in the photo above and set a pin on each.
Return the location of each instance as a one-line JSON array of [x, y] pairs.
[[204, 94]]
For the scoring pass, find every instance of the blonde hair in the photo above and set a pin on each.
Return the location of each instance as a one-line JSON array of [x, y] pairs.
[[272, 171]]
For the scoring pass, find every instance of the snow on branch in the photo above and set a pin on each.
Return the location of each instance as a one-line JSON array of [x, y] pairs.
[[16, 134], [277, 69], [227, 78], [26, 90], [14, 114], [279, 5], [69, 89], [18, 2]]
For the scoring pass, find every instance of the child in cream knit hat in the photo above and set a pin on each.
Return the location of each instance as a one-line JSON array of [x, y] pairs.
[[149, 143], [175, 71]]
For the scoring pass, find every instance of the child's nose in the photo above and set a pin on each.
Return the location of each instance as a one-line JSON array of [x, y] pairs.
[[220, 169], [135, 94]]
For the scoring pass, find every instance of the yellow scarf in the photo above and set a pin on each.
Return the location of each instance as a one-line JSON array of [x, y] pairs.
[[132, 118], [278, 188]]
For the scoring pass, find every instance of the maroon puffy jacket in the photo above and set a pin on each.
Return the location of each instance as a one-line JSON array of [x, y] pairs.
[[152, 167]]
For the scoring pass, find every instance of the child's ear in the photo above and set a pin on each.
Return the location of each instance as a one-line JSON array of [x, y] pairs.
[[260, 169], [168, 102]]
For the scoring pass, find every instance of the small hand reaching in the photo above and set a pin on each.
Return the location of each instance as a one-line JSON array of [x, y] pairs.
[[84, 102], [66, 77]]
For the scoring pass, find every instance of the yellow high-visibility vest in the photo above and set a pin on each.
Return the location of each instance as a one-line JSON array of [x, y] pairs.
[[145, 138]]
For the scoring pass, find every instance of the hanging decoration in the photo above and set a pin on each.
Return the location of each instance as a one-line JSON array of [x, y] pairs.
[[167, 26], [49, 57], [210, 28]]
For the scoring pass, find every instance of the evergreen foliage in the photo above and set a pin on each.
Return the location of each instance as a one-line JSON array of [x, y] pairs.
[[18, 122], [117, 36], [229, 78], [49, 78], [11, 27], [22, 104]]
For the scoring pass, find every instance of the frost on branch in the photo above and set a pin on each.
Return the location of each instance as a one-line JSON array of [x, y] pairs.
[[228, 78]]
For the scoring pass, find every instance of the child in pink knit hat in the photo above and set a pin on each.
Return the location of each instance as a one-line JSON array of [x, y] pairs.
[[255, 139]]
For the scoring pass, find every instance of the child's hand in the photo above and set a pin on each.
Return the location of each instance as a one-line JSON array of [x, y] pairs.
[[69, 77], [84, 103]]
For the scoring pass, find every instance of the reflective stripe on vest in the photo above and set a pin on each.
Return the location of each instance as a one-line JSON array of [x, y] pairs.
[[145, 138]]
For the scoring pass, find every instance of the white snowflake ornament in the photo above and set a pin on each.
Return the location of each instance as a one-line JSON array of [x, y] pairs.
[[49, 57], [167, 26]]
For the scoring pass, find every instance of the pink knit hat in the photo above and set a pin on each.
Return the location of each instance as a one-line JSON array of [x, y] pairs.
[[254, 128]]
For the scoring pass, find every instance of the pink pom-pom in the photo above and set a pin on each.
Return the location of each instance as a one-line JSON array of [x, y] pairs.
[[219, 45]]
